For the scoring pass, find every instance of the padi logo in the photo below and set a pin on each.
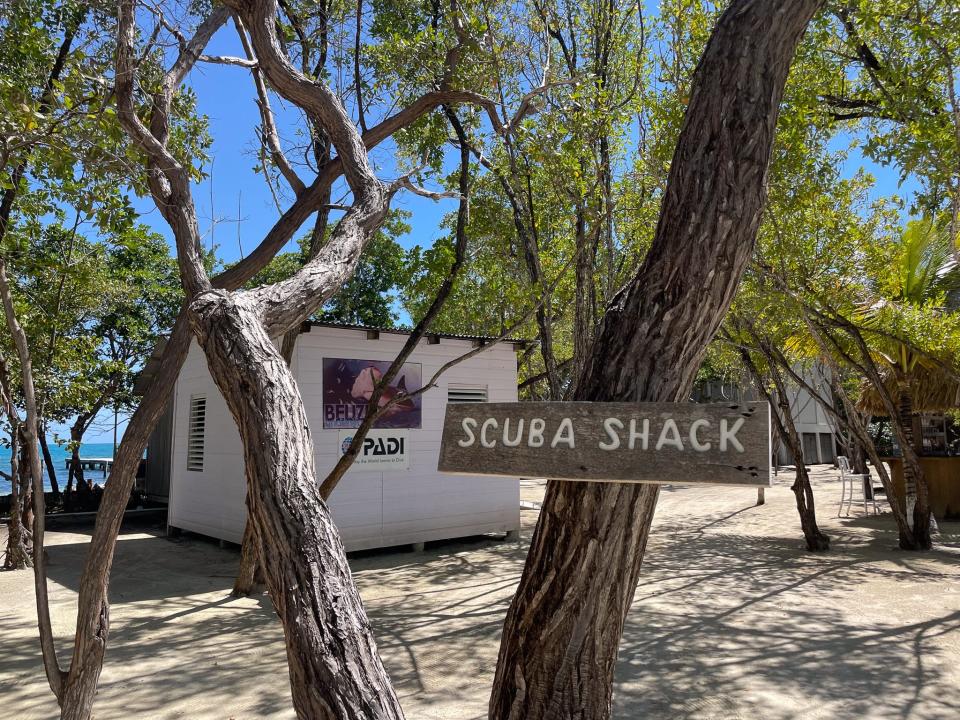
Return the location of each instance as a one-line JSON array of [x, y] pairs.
[[380, 449], [383, 446], [376, 446]]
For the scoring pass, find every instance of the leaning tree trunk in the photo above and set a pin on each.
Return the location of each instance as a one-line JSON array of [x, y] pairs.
[[801, 488], [93, 608], [786, 430], [857, 423], [48, 462], [561, 636], [335, 671], [250, 574], [914, 484]]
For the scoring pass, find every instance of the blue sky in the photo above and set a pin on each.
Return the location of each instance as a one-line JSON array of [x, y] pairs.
[[226, 95], [235, 208]]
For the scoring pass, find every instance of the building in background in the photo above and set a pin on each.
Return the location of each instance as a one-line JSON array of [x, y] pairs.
[[818, 435], [393, 494]]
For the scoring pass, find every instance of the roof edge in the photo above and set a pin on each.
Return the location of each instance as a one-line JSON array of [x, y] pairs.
[[308, 324]]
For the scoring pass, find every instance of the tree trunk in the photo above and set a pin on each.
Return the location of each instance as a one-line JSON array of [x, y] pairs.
[[544, 318], [786, 430], [26, 489], [17, 556], [816, 541], [856, 424], [28, 438], [775, 452], [900, 412], [335, 671], [761, 496], [93, 608], [48, 462], [915, 486], [250, 574], [560, 639]]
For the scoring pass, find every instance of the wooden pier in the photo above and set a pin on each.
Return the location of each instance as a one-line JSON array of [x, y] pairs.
[[102, 464]]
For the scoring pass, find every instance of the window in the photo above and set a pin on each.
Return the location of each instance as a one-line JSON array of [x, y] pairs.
[[195, 432], [466, 394]]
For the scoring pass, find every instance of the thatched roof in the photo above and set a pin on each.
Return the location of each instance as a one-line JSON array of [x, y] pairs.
[[934, 390]]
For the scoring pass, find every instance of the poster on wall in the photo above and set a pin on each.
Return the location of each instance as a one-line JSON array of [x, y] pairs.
[[383, 450], [348, 385]]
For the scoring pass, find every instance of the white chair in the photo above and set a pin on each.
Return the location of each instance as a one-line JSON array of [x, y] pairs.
[[851, 482]]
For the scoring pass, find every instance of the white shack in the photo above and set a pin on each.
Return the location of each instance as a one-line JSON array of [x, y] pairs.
[[393, 495]]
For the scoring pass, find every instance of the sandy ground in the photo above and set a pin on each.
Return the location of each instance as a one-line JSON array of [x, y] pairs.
[[732, 619]]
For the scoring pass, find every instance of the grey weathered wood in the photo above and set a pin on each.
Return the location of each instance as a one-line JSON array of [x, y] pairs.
[[463, 452]]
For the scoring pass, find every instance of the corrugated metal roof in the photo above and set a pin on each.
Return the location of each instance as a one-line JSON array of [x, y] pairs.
[[406, 331]]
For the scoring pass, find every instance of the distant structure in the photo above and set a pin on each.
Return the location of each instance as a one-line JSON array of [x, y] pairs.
[[818, 435], [393, 494]]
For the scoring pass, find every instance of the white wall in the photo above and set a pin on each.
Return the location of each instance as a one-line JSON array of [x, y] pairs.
[[817, 432], [816, 428], [371, 509]]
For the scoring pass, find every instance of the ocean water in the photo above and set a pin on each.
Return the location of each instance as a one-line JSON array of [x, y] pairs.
[[60, 456]]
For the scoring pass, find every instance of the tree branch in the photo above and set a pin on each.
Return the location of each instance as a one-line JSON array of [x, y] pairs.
[[285, 303], [270, 135], [374, 411], [169, 181], [405, 183], [229, 60], [28, 430]]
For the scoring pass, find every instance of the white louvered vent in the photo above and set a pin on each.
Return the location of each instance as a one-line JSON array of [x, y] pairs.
[[195, 432], [466, 394]]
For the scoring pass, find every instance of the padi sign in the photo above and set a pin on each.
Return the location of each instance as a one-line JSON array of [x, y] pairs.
[[717, 443], [382, 450]]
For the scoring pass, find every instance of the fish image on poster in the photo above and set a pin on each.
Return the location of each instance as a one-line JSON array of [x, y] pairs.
[[348, 385]]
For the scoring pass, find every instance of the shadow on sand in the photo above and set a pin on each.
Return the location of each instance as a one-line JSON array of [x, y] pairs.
[[714, 612]]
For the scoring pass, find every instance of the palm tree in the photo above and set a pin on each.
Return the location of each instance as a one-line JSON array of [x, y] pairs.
[[922, 276]]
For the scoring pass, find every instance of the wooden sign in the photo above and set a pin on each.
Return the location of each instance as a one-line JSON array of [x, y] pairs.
[[690, 443]]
